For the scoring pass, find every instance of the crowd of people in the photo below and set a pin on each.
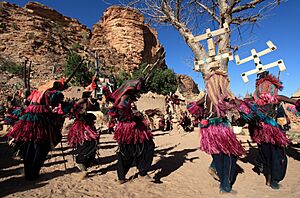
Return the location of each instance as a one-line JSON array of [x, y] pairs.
[[37, 119]]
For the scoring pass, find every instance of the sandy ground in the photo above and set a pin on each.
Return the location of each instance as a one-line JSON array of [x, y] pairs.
[[179, 170]]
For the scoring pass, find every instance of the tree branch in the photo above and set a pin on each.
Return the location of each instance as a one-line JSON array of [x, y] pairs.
[[184, 16], [232, 4], [209, 11], [178, 2], [250, 19], [196, 47], [246, 6]]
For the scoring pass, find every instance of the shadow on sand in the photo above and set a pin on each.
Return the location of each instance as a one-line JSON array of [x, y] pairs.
[[293, 151], [19, 184], [167, 165], [12, 169], [6, 153], [103, 161]]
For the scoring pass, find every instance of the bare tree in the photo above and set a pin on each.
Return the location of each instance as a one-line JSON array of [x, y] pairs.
[[192, 17]]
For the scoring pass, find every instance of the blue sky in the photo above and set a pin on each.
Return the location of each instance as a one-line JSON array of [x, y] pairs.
[[282, 27]]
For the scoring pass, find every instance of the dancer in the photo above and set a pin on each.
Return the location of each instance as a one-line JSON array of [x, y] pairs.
[[13, 112], [218, 140], [132, 133], [36, 128], [267, 129], [162, 123], [186, 122], [83, 135]]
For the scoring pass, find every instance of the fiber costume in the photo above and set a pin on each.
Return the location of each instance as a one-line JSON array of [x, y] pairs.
[[131, 131], [83, 136], [38, 129], [217, 137], [265, 130], [11, 118], [162, 123], [13, 115]]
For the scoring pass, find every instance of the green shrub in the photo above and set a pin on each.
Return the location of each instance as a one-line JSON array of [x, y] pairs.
[[121, 77], [10, 66], [3, 26], [83, 75], [30, 36], [15, 26], [163, 80], [75, 46], [86, 35], [57, 29]]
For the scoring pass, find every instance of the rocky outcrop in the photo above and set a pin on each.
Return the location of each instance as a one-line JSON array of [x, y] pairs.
[[187, 85], [40, 34], [123, 40], [44, 36]]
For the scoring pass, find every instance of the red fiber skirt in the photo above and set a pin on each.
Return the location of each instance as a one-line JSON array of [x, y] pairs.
[[220, 138], [128, 132]]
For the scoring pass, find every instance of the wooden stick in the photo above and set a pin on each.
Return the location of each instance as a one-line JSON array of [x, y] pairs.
[[24, 73], [74, 72], [28, 78]]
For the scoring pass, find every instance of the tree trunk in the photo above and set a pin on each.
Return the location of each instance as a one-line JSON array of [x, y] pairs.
[[215, 74], [217, 81], [217, 85]]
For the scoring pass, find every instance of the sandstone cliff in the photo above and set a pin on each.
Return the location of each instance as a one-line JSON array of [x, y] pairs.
[[40, 34], [44, 36], [187, 84], [123, 40]]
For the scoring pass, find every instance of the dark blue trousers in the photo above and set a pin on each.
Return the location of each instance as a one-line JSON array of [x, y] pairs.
[[226, 170], [274, 161]]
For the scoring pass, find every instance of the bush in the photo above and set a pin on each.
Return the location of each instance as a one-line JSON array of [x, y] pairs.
[[83, 75], [15, 26], [75, 46], [3, 26], [57, 29], [121, 77], [30, 36], [163, 80], [10, 66], [86, 35]]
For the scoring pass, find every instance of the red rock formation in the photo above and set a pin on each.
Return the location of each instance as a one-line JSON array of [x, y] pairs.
[[187, 84], [123, 40], [44, 36], [40, 34]]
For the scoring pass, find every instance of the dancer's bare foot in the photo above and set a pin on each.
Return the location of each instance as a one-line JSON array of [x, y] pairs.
[[213, 173], [146, 177], [82, 175], [232, 192], [81, 167], [83, 171], [122, 181]]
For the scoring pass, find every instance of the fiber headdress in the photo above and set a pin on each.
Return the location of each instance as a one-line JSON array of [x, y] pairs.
[[267, 87], [128, 86]]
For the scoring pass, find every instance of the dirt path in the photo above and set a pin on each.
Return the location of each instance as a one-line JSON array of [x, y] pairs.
[[179, 170]]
